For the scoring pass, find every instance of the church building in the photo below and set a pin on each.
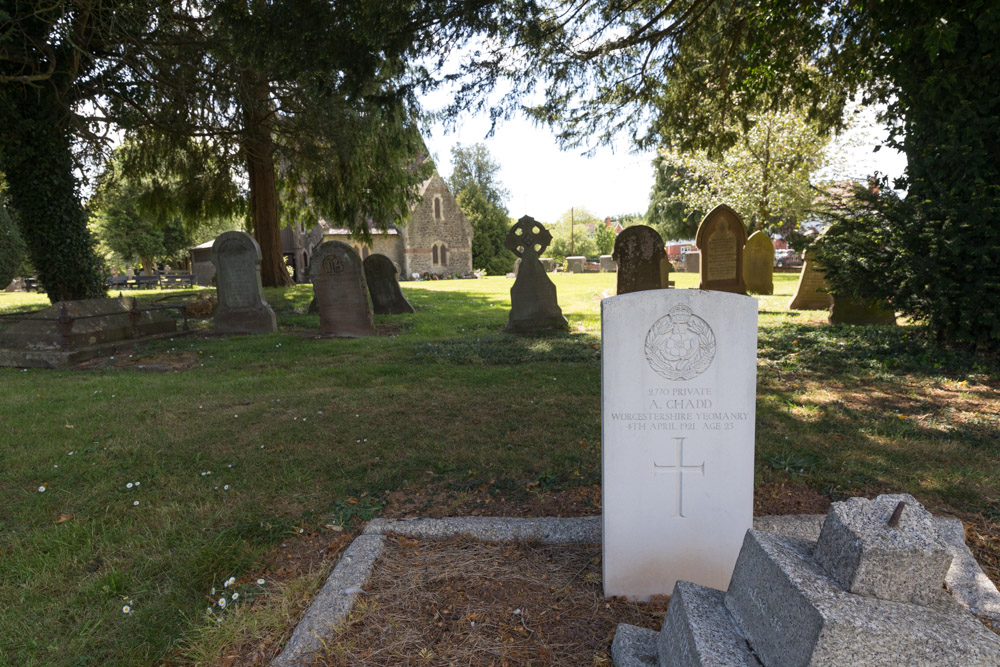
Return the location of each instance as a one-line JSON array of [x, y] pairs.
[[436, 240]]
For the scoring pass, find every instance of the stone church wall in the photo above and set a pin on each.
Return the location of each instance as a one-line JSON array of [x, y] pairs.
[[437, 237]]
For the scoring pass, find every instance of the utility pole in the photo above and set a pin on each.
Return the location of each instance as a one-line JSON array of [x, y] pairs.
[[571, 246]]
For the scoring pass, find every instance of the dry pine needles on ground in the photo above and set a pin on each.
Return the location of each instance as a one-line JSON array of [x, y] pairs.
[[464, 602]]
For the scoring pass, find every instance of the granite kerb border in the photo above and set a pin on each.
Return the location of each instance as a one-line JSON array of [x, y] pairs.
[[334, 602]]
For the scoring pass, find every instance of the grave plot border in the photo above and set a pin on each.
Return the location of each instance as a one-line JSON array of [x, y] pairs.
[[966, 580]]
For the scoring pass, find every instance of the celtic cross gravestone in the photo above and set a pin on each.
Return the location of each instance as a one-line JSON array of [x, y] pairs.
[[533, 303], [678, 385]]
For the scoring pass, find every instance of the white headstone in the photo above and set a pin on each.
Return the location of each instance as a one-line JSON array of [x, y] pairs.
[[678, 389]]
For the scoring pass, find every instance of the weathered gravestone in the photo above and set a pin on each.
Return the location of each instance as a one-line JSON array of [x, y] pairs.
[[811, 293], [608, 264], [575, 264], [720, 239], [870, 591], [641, 259], [242, 308], [848, 310], [758, 263], [692, 262], [548, 264], [533, 303], [69, 332], [678, 389], [387, 297], [341, 292]]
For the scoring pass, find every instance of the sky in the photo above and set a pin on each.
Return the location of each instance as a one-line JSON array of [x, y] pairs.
[[545, 182]]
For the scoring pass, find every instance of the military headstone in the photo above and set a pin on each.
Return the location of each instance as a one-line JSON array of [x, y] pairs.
[[608, 264], [387, 297], [575, 264], [242, 308], [811, 293], [533, 303], [678, 390], [758, 263], [341, 291], [848, 310], [720, 239], [640, 256]]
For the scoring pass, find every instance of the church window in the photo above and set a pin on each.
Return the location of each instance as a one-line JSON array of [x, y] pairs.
[[434, 251], [444, 255], [437, 208]]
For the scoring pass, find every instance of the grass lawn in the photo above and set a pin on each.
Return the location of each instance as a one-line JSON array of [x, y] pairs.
[[254, 441]]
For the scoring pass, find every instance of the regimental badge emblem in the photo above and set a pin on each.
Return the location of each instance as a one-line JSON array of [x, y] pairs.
[[680, 345]]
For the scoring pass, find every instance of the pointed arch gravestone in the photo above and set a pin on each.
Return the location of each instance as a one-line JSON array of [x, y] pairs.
[[241, 308], [720, 239], [758, 263], [811, 292], [341, 292], [678, 390], [387, 297], [641, 259], [533, 303]]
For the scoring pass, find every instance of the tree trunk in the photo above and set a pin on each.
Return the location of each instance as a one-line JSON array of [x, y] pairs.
[[36, 158], [258, 149]]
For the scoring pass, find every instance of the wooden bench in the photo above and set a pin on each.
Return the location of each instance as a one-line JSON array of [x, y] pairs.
[[177, 280]]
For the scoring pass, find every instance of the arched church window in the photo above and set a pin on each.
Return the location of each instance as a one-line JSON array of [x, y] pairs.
[[437, 208], [444, 255], [434, 252]]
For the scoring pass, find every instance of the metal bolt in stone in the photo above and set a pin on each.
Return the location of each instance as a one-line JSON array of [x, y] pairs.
[[896, 514]]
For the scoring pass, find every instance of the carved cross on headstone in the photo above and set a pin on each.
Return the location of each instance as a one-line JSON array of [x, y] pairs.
[[679, 468]]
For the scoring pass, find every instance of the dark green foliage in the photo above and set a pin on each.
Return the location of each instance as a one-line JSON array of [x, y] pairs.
[[12, 248], [936, 254], [489, 228], [36, 157], [481, 197]]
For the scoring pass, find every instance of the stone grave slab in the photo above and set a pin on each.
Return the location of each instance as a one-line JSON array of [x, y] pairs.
[[907, 562], [575, 264], [692, 262], [639, 255], [69, 332], [720, 240], [387, 297], [847, 310], [811, 292], [533, 303], [758, 263], [242, 308], [608, 264], [341, 292], [678, 390]]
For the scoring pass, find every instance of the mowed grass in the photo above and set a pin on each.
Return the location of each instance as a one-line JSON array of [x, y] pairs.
[[260, 437]]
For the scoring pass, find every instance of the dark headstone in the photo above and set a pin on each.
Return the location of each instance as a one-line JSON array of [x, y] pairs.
[[242, 308], [641, 259], [848, 310], [720, 239], [341, 291], [758, 263], [387, 297], [533, 303], [69, 332]]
